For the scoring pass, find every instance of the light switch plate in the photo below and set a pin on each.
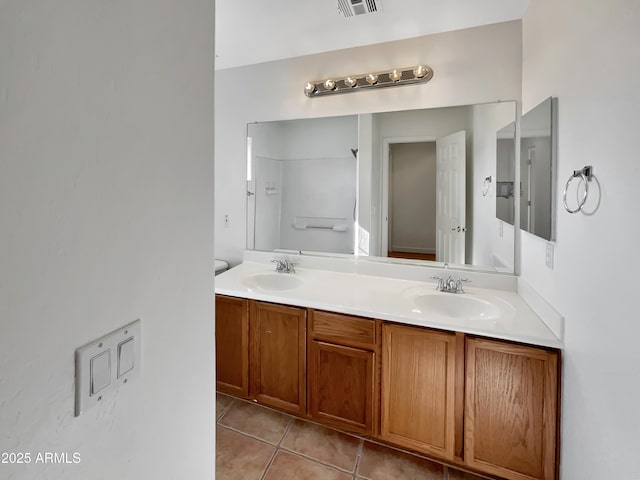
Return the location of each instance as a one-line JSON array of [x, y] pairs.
[[105, 364]]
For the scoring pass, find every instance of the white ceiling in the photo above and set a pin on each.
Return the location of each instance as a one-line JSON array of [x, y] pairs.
[[255, 31]]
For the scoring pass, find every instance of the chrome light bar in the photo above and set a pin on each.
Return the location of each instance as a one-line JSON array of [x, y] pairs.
[[389, 78]]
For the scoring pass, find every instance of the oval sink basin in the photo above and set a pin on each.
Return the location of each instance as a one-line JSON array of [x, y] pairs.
[[458, 306], [273, 281]]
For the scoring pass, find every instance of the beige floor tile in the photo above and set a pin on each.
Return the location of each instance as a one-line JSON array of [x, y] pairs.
[[287, 466], [381, 463], [257, 421], [239, 457], [222, 402], [323, 444]]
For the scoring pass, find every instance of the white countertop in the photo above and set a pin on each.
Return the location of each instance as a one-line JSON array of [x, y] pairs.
[[390, 299]]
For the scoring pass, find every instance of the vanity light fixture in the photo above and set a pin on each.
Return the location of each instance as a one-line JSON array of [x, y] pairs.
[[388, 78]]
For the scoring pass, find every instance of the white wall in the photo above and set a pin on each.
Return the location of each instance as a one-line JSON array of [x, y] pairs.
[[319, 193], [471, 66], [584, 52], [486, 241], [106, 191], [268, 203]]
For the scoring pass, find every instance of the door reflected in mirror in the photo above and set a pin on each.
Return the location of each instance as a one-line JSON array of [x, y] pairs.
[[405, 184]]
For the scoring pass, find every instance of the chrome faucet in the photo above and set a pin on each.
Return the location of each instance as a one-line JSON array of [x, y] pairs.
[[449, 284], [284, 265]]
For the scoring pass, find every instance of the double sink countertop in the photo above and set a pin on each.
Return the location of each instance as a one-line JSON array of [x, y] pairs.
[[490, 312]]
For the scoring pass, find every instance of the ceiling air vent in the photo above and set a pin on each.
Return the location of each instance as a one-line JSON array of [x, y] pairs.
[[352, 8]]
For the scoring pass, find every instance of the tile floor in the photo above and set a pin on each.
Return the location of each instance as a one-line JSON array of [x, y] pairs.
[[257, 443]]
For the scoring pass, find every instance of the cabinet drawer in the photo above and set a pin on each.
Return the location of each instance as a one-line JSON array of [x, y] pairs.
[[344, 329]]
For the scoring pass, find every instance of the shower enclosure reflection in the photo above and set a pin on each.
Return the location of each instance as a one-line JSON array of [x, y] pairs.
[[303, 194]]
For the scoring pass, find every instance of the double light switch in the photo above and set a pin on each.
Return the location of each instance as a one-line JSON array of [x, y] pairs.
[[105, 364]]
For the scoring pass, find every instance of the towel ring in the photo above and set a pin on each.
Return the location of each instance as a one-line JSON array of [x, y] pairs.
[[584, 174], [486, 185]]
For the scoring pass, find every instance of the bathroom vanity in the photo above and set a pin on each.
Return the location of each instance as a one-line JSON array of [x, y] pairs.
[[470, 379]]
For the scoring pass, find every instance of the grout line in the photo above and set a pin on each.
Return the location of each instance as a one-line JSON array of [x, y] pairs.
[[315, 460], [358, 458], [225, 409], [286, 431], [268, 466], [248, 435], [277, 448]]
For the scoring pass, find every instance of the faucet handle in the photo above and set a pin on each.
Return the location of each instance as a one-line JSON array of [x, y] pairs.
[[440, 280], [459, 283], [280, 264]]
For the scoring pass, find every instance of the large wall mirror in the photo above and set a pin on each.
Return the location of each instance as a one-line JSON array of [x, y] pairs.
[[407, 184], [538, 171]]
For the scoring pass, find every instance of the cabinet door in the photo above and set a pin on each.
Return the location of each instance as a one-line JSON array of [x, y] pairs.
[[232, 345], [278, 356], [511, 410], [418, 389], [341, 386]]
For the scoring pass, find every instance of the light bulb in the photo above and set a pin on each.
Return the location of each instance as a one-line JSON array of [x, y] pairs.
[[329, 84], [420, 71], [350, 81], [395, 75], [309, 88], [372, 79]]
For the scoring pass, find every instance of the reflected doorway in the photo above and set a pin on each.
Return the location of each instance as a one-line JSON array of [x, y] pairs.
[[412, 200]]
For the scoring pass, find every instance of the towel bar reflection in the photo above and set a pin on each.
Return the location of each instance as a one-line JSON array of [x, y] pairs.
[[335, 228], [585, 175]]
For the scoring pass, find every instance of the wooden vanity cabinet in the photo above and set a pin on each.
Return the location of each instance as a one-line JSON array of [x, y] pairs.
[[232, 345], [342, 370], [489, 405], [277, 356], [419, 390], [511, 409]]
